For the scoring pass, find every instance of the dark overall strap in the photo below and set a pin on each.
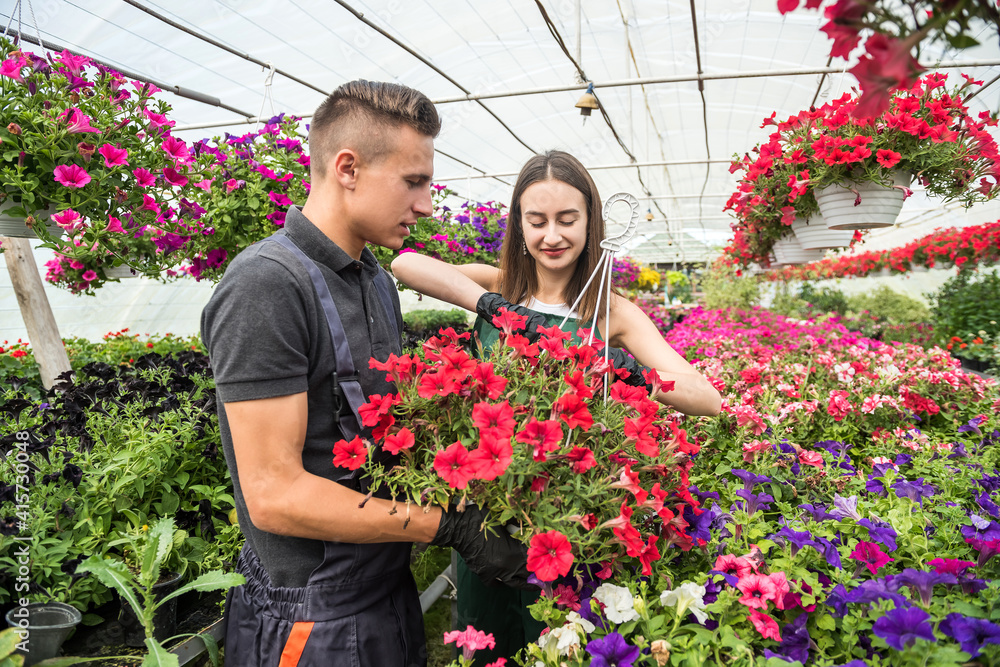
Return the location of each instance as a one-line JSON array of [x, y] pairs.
[[345, 376], [384, 286]]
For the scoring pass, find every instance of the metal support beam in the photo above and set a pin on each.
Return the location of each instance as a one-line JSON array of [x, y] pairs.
[[626, 82], [623, 165]]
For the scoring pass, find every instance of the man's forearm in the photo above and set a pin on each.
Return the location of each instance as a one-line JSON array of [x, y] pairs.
[[315, 508]]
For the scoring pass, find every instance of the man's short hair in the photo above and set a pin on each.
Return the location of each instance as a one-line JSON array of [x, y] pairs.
[[361, 115]]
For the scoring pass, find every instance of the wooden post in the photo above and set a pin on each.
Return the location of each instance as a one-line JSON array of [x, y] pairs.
[[43, 334]]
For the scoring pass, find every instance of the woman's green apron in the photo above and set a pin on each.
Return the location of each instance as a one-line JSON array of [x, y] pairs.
[[499, 610]]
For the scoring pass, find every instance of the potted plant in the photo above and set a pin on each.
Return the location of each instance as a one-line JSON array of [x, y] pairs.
[[860, 169], [91, 153], [585, 480], [137, 589]]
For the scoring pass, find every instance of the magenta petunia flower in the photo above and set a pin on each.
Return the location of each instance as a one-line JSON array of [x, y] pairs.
[[71, 175], [869, 555], [78, 122], [12, 68], [143, 177], [950, 565], [113, 155], [279, 199], [74, 64], [114, 225], [173, 177], [176, 149], [90, 276], [469, 640]]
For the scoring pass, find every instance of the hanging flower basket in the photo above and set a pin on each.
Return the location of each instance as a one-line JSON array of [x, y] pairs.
[[13, 226], [121, 271], [788, 251], [813, 234], [867, 205]]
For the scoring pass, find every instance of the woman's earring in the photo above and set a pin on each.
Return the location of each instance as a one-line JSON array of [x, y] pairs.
[[524, 248]]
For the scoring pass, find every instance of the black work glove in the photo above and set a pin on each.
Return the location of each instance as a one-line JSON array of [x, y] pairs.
[[636, 371], [490, 303], [497, 558]]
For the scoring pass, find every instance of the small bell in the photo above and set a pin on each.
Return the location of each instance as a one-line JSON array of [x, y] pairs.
[[587, 103]]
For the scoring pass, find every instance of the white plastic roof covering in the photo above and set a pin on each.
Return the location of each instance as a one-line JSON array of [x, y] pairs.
[[504, 46]]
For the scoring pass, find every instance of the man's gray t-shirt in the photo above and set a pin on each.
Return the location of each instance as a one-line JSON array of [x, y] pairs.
[[267, 336]]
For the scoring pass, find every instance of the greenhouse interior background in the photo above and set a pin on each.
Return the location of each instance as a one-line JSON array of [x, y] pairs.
[[837, 505]]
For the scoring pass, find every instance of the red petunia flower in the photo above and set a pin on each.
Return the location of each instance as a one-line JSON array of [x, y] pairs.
[[508, 321], [582, 458], [543, 436], [351, 455], [492, 457], [437, 384], [377, 405], [455, 465], [649, 554], [573, 411], [887, 158], [487, 383], [495, 419], [396, 442], [550, 555]]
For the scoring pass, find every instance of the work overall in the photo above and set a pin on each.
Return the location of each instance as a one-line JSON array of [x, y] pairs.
[[359, 607]]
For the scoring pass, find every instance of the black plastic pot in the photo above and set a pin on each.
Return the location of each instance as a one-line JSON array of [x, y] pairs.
[[164, 620], [48, 624], [974, 365]]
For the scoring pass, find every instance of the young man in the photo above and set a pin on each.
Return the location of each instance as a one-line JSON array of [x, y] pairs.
[[328, 579]]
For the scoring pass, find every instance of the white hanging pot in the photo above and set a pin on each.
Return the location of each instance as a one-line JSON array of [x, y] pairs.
[[122, 271], [813, 234], [14, 227], [788, 251], [877, 205]]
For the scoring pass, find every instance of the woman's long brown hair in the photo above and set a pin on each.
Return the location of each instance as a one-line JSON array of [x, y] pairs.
[[518, 276]]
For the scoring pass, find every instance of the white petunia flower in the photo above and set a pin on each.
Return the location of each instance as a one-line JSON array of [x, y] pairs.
[[618, 603], [576, 619], [689, 596]]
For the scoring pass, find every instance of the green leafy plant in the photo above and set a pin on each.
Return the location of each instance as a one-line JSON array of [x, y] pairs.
[[428, 321], [966, 303], [137, 589], [724, 287]]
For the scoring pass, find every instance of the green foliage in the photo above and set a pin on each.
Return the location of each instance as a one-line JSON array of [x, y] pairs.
[[889, 305], [112, 452], [966, 303], [723, 288], [824, 299], [427, 322]]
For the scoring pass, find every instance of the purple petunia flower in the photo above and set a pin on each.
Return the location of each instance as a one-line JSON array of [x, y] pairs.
[[829, 551], [817, 512], [958, 451], [986, 503], [836, 599], [749, 478], [971, 427], [880, 469], [981, 529], [902, 627], [923, 582], [612, 651], [987, 549], [915, 491], [881, 532], [798, 539], [844, 508], [876, 486], [755, 501], [794, 641], [874, 590], [972, 634], [703, 495], [903, 459], [699, 526]]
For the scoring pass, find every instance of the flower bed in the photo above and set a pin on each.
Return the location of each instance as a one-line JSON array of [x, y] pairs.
[[848, 517]]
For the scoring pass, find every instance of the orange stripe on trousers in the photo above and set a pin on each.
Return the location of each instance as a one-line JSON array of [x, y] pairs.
[[296, 643]]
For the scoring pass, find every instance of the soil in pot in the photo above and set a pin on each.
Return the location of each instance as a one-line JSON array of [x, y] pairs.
[[164, 621]]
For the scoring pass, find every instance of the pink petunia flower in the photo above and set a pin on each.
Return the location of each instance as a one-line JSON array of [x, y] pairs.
[[765, 625], [469, 640], [12, 68], [143, 177], [114, 225], [113, 155], [66, 219], [279, 199], [176, 149], [78, 122], [71, 175], [757, 589], [89, 276]]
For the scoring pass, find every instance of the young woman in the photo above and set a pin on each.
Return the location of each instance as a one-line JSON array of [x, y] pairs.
[[554, 230]]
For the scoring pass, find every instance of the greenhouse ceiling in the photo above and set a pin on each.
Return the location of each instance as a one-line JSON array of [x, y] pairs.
[[684, 84]]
